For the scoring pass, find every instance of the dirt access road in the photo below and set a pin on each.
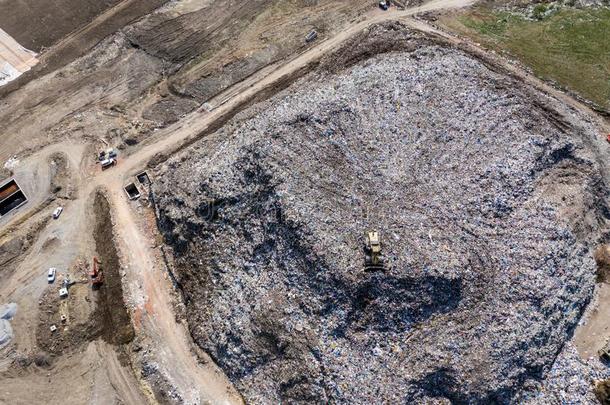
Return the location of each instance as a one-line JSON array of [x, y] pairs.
[[176, 352]]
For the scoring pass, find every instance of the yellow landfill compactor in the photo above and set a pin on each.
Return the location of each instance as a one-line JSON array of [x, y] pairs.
[[373, 251]]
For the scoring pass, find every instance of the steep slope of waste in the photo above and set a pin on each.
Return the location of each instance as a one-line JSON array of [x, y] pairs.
[[487, 199]]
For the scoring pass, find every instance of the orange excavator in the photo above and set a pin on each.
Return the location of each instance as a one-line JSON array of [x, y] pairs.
[[96, 274]]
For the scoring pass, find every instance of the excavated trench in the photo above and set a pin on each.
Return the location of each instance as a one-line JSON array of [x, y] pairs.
[[111, 311]]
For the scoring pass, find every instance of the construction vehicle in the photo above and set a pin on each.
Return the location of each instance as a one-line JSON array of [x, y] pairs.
[[106, 163], [373, 258], [107, 154], [311, 36], [51, 274], [96, 274], [384, 4]]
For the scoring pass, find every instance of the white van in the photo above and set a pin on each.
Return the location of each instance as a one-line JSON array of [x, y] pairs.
[[108, 162]]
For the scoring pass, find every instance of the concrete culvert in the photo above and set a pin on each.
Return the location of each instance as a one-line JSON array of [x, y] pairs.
[[11, 197], [143, 178], [132, 191]]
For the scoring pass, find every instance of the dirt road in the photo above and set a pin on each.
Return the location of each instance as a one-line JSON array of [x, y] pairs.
[[197, 383]]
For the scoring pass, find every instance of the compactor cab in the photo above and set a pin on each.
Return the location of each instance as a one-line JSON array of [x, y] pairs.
[[373, 259]]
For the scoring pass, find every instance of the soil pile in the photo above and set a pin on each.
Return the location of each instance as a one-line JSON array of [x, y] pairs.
[[487, 199]]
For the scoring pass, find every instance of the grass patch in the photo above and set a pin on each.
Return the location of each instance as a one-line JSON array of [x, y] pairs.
[[571, 46]]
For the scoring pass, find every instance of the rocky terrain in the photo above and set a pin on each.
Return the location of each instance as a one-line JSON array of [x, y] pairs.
[[488, 199]]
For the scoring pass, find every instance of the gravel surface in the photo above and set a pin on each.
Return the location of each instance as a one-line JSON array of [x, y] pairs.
[[488, 202]]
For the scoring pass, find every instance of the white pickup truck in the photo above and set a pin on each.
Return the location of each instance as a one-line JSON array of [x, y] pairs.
[[51, 274], [106, 163]]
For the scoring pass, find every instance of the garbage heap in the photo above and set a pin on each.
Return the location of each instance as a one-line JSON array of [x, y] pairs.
[[487, 199]]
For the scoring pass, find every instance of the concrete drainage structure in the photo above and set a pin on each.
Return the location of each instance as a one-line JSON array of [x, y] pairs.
[[143, 178], [132, 191], [11, 197]]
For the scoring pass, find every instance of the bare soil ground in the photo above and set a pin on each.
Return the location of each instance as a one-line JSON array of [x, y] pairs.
[[38, 24], [77, 37]]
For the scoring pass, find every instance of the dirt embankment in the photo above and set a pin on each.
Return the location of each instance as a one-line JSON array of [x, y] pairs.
[[61, 185], [215, 47], [13, 247], [73, 27]]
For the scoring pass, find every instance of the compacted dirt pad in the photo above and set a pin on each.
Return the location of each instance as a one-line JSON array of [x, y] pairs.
[[487, 198]]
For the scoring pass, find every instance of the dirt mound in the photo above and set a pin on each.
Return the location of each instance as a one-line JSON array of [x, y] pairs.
[[602, 258], [60, 177], [489, 203], [79, 326]]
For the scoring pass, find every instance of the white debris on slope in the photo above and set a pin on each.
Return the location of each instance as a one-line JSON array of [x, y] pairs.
[[11, 163], [7, 312], [14, 59]]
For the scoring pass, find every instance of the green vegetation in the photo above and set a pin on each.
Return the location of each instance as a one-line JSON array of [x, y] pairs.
[[570, 46]]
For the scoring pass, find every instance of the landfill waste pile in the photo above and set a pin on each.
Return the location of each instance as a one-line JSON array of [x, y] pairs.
[[487, 198], [569, 381]]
